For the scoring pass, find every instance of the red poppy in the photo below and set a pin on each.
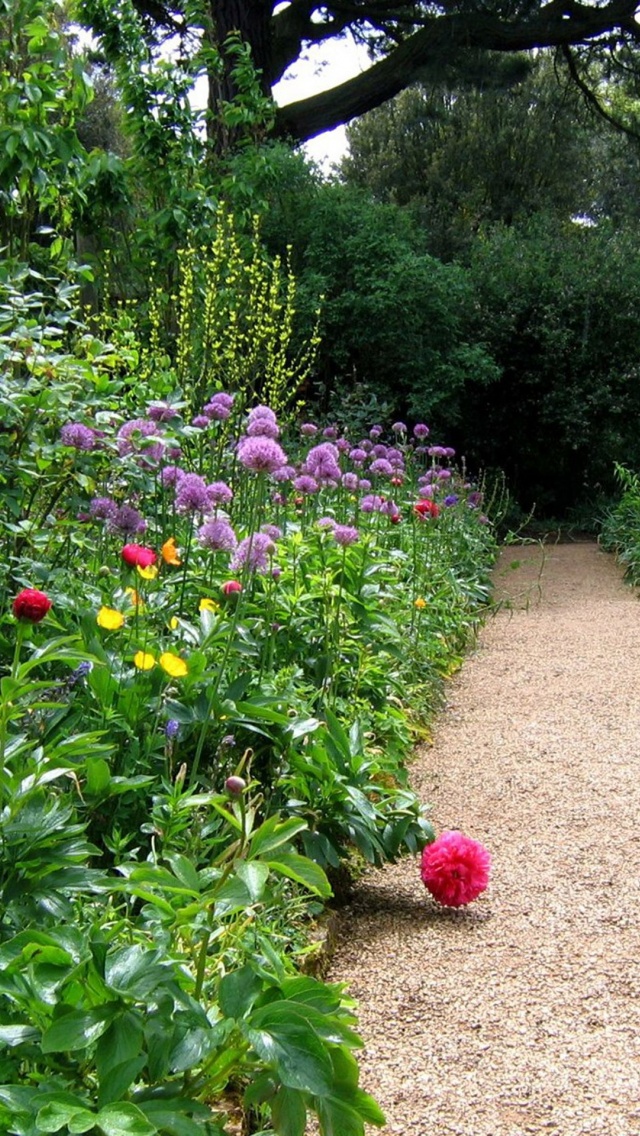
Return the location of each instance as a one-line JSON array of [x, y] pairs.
[[32, 605], [231, 587], [426, 509], [137, 556]]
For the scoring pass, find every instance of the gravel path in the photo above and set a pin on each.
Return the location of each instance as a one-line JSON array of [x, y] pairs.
[[521, 1013]]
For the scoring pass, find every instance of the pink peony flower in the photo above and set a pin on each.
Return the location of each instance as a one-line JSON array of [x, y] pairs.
[[455, 869]]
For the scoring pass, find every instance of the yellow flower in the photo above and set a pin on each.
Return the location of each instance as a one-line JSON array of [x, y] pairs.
[[135, 598], [174, 623], [173, 665], [143, 661], [420, 603], [110, 619], [208, 605], [170, 552], [149, 573]]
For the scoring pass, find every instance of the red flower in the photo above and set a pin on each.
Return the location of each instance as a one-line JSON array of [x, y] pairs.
[[230, 587], [426, 509], [455, 869], [137, 556], [395, 518], [31, 604]]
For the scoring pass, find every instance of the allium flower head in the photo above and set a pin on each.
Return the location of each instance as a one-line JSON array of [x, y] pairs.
[[262, 423], [103, 508], [379, 450], [161, 412], [420, 430], [200, 422], [171, 474], [285, 473], [399, 428], [305, 484], [455, 869], [308, 429], [375, 431], [218, 536], [272, 531], [381, 467], [132, 433], [192, 495], [451, 499], [261, 454], [330, 432], [345, 535], [78, 436], [322, 462], [358, 455], [350, 481], [127, 520], [219, 493], [372, 503], [253, 553]]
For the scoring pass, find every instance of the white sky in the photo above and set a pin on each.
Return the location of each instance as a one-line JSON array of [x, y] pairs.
[[322, 67]]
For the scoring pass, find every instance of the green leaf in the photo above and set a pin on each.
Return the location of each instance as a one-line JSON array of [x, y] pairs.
[[303, 871], [254, 875], [298, 1056], [273, 833], [289, 1113], [124, 1119], [98, 775], [78, 1029], [56, 1115], [17, 1035], [238, 991]]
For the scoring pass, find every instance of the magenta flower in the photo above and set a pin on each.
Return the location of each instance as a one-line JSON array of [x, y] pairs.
[[192, 494], [78, 436], [218, 536], [345, 535], [253, 553], [261, 454], [455, 869]]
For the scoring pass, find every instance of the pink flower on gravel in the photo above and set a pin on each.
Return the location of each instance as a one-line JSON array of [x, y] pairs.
[[455, 869]]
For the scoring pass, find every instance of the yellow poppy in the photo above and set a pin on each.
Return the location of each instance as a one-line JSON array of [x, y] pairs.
[[110, 619], [420, 603], [135, 598], [173, 665], [208, 605], [149, 573], [170, 552], [143, 661], [174, 623]]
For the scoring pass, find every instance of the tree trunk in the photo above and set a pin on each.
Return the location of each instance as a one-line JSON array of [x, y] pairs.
[[251, 19]]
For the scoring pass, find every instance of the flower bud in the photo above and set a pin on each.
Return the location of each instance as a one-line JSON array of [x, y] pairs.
[[235, 786]]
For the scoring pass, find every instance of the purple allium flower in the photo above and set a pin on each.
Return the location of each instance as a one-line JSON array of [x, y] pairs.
[[192, 494], [326, 523], [253, 553], [322, 462], [345, 535], [218, 536], [200, 421], [474, 499], [364, 484], [330, 432], [219, 493], [221, 398], [174, 453], [358, 455], [161, 412], [285, 473], [449, 452], [437, 451], [308, 429], [350, 481], [399, 428], [78, 436], [261, 454], [420, 430], [444, 474], [171, 475], [343, 445], [396, 457], [372, 503], [127, 520], [375, 431], [389, 508], [379, 450], [451, 499], [428, 477], [484, 520], [278, 499], [272, 531], [171, 729], [428, 491], [275, 575], [305, 484], [366, 444], [381, 466], [132, 433], [262, 422], [103, 508], [216, 411]]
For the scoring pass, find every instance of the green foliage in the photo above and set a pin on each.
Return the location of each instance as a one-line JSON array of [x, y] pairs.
[[621, 525]]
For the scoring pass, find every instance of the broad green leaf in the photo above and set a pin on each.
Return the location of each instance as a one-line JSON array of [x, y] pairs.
[[238, 991], [254, 875], [298, 1056], [124, 1119], [17, 1035], [273, 834], [98, 775], [56, 1115], [289, 1113], [303, 871], [78, 1029]]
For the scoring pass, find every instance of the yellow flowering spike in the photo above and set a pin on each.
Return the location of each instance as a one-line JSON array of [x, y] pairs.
[[110, 619], [149, 573], [135, 598], [173, 665], [170, 552], [208, 605], [420, 603], [143, 661]]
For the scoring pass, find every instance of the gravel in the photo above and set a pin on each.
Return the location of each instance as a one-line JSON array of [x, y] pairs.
[[521, 1013]]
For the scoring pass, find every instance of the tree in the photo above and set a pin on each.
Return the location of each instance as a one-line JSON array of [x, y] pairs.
[[407, 41]]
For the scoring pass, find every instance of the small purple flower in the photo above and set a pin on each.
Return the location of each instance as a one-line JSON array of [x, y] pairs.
[[345, 535], [342, 445], [171, 729], [127, 520], [272, 531], [358, 456], [350, 481], [132, 433], [308, 429], [420, 430], [399, 428], [326, 523], [200, 422], [192, 494], [437, 451], [219, 493], [449, 452], [221, 398], [364, 484], [371, 504], [389, 508], [444, 474], [305, 484], [375, 432], [379, 450], [451, 499], [217, 536], [161, 412], [366, 444], [260, 454], [330, 432], [171, 475], [80, 672], [253, 553], [428, 477], [78, 436], [103, 508], [216, 411], [474, 499], [262, 423], [285, 473], [428, 491], [381, 466]]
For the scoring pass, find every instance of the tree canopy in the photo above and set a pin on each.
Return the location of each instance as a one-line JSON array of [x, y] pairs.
[[406, 41]]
